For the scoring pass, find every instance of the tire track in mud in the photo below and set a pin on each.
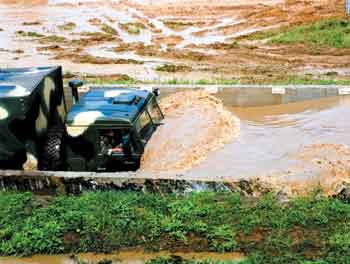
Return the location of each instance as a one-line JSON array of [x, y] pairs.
[[195, 124]]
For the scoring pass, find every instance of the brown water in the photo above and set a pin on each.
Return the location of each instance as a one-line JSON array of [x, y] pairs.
[[297, 145], [127, 257], [195, 124], [271, 134]]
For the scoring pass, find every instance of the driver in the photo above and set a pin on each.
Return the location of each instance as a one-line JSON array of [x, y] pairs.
[[111, 142]]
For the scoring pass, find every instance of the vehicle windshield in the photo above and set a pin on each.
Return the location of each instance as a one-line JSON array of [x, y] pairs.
[[114, 141], [154, 111], [144, 125]]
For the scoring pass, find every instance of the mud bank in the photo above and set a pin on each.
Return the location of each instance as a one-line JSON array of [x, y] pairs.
[[195, 124], [211, 38], [123, 257]]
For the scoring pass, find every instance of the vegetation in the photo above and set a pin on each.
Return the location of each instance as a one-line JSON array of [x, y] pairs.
[[132, 28], [202, 82], [333, 33], [178, 24], [327, 33], [314, 229], [173, 68], [54, 39], [101, 80], [108, 29], [31, 34], [67, 26], [275, 80]]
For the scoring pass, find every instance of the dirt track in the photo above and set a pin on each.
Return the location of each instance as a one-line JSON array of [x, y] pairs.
[[138, 37]]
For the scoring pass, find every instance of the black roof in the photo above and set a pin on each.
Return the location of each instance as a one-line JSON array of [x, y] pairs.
[[18, 82], [109, 104]]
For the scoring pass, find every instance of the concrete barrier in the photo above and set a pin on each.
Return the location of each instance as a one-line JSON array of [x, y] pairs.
[[52, 183]]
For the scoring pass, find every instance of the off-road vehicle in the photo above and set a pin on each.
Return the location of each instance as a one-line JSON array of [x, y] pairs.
[[41, 120]]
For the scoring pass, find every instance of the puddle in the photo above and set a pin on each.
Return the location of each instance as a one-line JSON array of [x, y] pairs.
[[126, 257]]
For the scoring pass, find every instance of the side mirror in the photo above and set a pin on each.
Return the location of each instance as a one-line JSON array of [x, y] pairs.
[[74, 85], [156, 91]]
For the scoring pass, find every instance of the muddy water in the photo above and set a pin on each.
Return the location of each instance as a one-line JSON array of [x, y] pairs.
[[195, 124], [283, 140], [270, 134], [131, 257]]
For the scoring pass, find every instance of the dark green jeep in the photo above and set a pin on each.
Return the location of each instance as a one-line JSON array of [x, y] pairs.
[[109, 127], [40, 119]]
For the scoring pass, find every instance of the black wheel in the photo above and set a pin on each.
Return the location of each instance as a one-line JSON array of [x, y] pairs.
[[52, 154]]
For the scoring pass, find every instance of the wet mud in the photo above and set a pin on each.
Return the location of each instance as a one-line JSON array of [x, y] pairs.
[[125, 257], [216, 34]]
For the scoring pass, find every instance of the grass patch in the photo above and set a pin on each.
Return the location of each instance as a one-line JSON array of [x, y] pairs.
[[173, 68], [274, 80], [132, 28], [67, 26], [108, 29], [201, 82], [100, 80], [313, 229], [54, 38], [334, 33], [89, 59], [260, 35], [31, 34], [177, 25], [307, 80]]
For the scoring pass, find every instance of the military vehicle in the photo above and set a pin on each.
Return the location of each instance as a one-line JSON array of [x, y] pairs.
[[43, 121]]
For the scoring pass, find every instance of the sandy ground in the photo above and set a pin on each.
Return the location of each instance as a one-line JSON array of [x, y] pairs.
[[137, 37]]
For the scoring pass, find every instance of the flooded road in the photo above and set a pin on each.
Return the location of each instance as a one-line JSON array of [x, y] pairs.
[[126, 257]]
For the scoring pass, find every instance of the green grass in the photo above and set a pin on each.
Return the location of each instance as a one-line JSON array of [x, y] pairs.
[[100, 80], [55, 39], [173, 68], [108, 29], [276, 80], [331, 33], [308, 80], [31, 34], [220, 81], [314, 229], [132, 28], [334, 33], [67, 26]]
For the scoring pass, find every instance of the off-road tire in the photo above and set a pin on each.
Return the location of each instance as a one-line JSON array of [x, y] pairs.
[[52, 154]]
